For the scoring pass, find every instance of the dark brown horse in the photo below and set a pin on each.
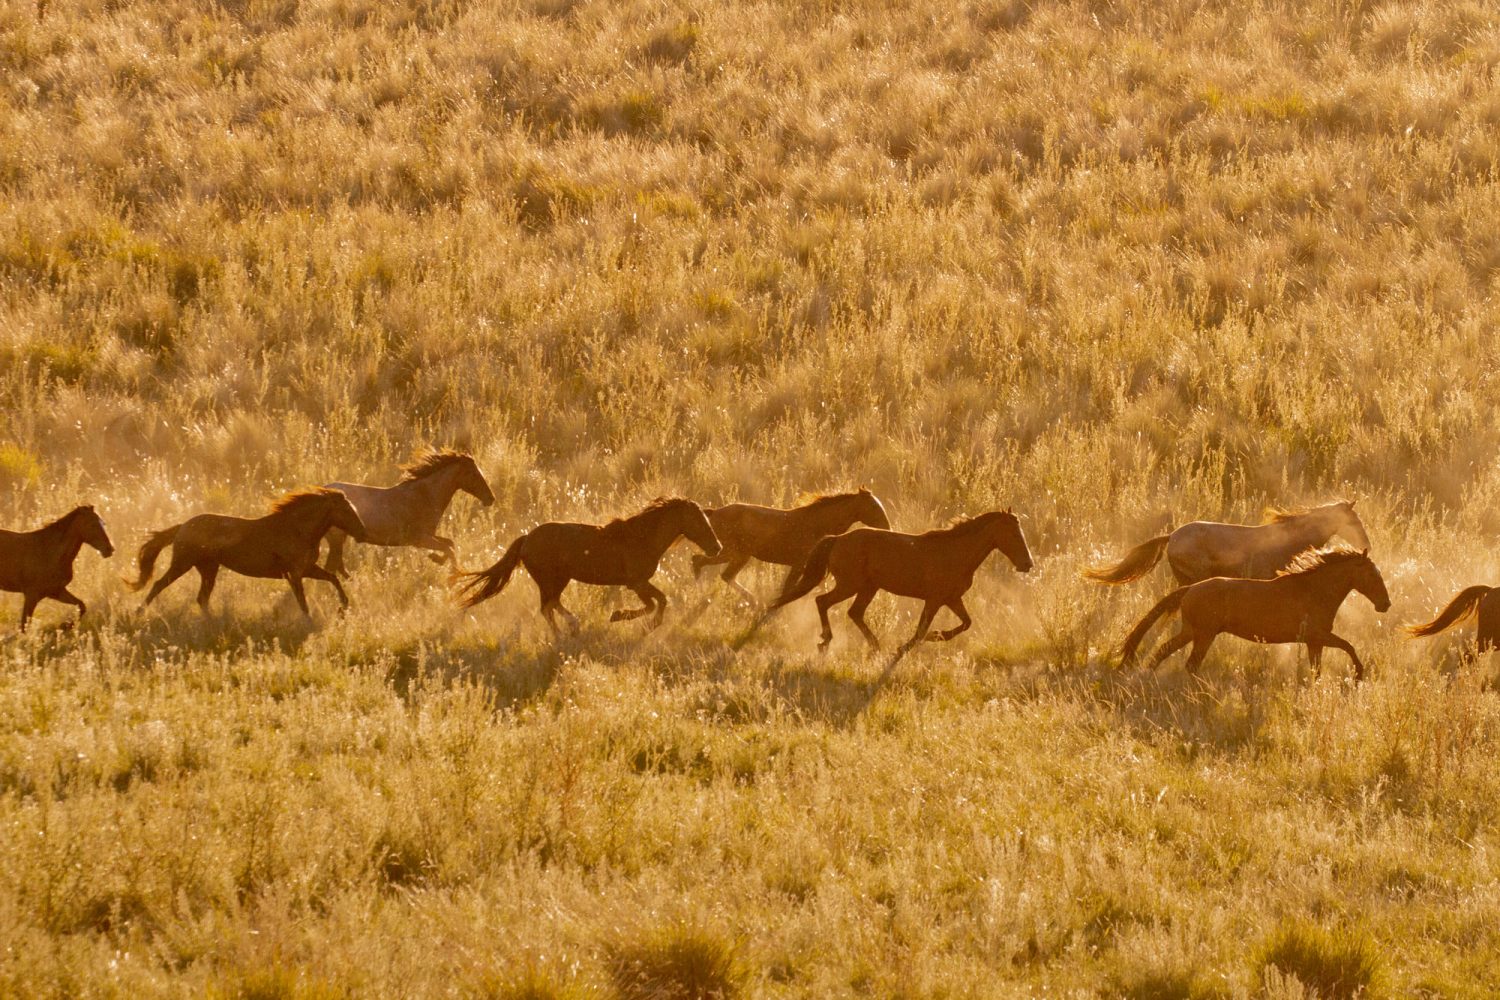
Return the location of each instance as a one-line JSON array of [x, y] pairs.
[[282, 545], [1479, 601], [39, 564], [938, 567], [408, 512], [1205, 549], [785, 537], [1297, 605], [624, 552]]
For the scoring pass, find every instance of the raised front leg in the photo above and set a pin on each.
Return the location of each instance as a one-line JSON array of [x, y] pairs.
[[1338, 642], [924, 623], [319, 573], [857, 616], [964, 622], [443, 551], [651, 598], [66, 596]]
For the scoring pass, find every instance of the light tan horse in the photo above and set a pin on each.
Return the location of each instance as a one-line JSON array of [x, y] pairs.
[[784, 536], [1205, 549], [39, 564], [408, 512], [937, 566], [1297, 605], [282, 545], [624, 552]]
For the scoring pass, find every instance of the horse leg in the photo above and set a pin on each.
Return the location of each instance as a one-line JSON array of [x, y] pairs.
[[964, 622], [838, 595], [731, 571], [1338, 642], [175, 570], [28, 605], [651, 599], [208, 573], [66, 596], [1199, 651], [319, 573], [702, 562], [295, 582], [1172, 645], [442, 550], [857, 616], [655, 593], [335, 562], [1315, 657], [924, 623]]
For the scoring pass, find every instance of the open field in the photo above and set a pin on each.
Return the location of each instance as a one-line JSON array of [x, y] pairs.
[[1115, 264]]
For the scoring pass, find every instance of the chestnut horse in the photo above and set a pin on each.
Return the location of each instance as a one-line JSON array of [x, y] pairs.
[[624, 552], [936, 566], [1205, 549], [39, 564], [1478, 601], [408, 513], [282, 545], [1297, 605], [785, 537]]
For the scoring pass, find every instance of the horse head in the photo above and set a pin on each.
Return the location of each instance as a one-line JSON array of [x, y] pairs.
[[343, 516], [693, 524], [1368, 581], [472, 481], [1011, 540], [1347, 523], [869, 510], [90, 530]]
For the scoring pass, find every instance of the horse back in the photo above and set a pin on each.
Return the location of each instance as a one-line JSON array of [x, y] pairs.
[[1201, 550]]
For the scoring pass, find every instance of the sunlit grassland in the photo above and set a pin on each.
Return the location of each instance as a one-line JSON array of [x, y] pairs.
[[1118, 265]]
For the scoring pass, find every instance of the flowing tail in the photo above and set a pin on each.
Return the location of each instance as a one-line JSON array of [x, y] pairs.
[[1165, 606], [1461, 607], [476, 588], [1136, 564], [146, 562], [808, 576]]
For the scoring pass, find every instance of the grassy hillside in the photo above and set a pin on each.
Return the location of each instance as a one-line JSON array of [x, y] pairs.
[[1118, 265]]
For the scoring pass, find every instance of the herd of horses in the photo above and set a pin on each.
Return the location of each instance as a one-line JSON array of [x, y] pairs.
[[1278, 582]]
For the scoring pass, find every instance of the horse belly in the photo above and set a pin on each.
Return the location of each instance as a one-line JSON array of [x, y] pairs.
[[383, 520]]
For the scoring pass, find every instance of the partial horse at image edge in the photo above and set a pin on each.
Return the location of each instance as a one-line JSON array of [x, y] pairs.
[[1476, 602], [38, 564]]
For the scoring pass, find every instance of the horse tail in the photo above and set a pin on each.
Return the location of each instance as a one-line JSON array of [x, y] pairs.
[[1165, 606], [1136, 564], [808, 575], [1461, 607], [475, 588], [146, 562]]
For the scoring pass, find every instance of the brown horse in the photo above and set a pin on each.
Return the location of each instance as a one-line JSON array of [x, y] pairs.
[[39, 564], [1297, 605], [624, 552], [408, 512], [1205, 549], [282, 545], [1477, 601], [785, 537], [937, 566]]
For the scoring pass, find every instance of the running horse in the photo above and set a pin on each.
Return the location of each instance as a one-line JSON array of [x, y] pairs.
[[38, 564], [1480, 602], [624, 552], [282, 545], [938, 567], [1297, 605], [781, 536], [408, 512], [1204, 549]]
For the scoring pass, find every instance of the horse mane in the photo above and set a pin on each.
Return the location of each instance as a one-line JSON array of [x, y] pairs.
[[66, 518], [1312, 560], [624, 525], [1277, 515], [432, 460], [815, 500], [962, 525], [302, 498]]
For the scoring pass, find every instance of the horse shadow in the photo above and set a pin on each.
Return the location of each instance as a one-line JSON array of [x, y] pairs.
[[513, 675], [1215, 712]]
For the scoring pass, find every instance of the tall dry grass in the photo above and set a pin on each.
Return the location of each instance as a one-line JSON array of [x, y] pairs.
[[1116, 264]]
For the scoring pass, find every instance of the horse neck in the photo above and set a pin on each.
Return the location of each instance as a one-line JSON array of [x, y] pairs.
[[968, 551], [1328, 585], [310, 521], [1309, 529], [64, 539], [659, 535], [827, 519], [436, 490]]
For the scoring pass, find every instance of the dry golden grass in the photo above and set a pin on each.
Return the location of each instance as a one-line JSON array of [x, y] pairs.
[[1113, 263]]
